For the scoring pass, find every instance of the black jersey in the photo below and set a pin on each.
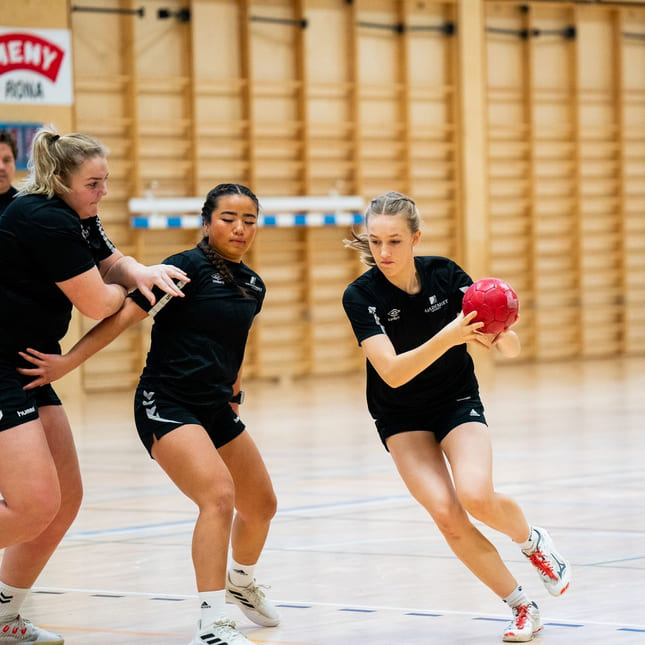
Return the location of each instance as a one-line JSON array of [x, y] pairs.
[[198, 341], [42, 241], [7, 198], [375, 306]]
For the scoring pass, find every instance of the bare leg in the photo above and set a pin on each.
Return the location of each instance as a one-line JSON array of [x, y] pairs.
[[45, 490], [421, 464], [190, 459], [255, 500], [468, 449]]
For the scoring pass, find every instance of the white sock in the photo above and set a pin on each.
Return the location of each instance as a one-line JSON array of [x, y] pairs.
[[241, 575], [213, 606], [531, 542], [11, 599], [517, 597]]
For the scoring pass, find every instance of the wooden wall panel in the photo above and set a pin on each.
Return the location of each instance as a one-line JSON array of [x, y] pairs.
[[520, 134]]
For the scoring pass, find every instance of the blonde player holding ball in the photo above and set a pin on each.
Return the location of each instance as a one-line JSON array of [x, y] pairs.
[[423, 395]]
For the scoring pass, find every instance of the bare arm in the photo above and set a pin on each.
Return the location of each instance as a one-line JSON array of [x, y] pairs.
[[51, 367], [397, 369], [507, 343], [125, 270], [91, 295]]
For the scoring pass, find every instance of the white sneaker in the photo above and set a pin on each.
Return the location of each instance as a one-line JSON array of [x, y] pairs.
[[252, 601], [525, 625], [221, 632], [552, 568], [20, 630]]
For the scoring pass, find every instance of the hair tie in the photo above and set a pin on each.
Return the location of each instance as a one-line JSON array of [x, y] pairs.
[[55, 138]]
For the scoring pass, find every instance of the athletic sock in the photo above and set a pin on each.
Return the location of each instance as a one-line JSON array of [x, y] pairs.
[[241, 575], [213, 606], [517, 597], [531, 543], [11, 599]]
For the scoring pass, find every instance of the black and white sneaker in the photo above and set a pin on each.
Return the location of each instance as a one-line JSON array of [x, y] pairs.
[[253, 603]]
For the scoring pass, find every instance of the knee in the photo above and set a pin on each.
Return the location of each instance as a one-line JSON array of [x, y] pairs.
[[218, 500], [71, 498], [261, 508], [268, 506], [478, 502], [451, 520], [37, 509]]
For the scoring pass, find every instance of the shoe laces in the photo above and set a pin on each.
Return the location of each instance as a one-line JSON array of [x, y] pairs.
[[226, 625], [540, 561], [256, 591], [522, 614], [17, 624]]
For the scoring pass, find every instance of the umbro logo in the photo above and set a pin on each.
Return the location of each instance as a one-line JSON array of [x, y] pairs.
[[394, 314]]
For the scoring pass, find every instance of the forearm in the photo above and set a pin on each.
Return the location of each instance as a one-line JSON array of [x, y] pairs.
[[114, 297], [401, 368], [123, 272], [508, 344], [104, 333]]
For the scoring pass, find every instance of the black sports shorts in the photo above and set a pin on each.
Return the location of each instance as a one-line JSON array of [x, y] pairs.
[[156, 414], [439, 421], [17, 406]]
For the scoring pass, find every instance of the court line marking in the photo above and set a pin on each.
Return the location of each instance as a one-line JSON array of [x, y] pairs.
[[350, 606]]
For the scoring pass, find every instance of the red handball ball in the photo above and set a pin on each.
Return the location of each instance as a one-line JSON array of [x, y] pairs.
[[496, 304]]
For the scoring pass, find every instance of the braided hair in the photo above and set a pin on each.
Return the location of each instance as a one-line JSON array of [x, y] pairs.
[[209, 206]]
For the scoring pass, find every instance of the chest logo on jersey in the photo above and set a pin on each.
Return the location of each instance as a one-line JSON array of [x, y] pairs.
[[253, 284], [217, 278], [85, 232], [394, 314], [435, 304]]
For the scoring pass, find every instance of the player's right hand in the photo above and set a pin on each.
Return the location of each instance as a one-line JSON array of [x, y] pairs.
[[48, 367]]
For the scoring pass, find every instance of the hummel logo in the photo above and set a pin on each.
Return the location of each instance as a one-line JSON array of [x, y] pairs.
[[241, 572], [5, 599], [474, 413]]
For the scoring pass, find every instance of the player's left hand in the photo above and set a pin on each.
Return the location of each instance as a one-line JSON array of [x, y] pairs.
[[162, 276], [49, 367], [487, 341]]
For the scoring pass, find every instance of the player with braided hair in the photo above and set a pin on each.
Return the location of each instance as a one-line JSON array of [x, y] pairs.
[[186, 407]]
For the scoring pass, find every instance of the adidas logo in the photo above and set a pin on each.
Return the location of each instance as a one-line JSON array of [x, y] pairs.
[[474, 413], [205, 605]]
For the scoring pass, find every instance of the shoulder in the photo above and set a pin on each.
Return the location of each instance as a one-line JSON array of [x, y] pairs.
[[189, 260], [440, 267], [366, 285], [40, 210]]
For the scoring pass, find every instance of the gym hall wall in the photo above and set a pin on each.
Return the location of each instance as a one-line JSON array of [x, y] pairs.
[[518, 127]]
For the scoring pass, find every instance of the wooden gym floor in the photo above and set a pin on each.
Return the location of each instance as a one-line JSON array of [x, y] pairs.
[[351, 559]]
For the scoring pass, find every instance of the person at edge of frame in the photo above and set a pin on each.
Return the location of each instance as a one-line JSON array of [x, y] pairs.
[[54, 255]]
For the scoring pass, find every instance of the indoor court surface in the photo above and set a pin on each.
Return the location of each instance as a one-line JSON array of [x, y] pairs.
[[351, 558]]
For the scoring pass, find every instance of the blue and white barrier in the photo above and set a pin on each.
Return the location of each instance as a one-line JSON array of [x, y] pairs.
[[183, 212]]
